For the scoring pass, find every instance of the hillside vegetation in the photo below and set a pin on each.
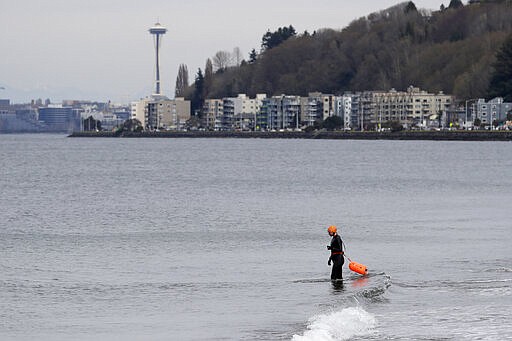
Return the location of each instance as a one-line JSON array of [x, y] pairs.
[[451, 50]]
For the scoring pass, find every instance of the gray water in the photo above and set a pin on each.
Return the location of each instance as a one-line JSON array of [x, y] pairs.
[[224, 239]]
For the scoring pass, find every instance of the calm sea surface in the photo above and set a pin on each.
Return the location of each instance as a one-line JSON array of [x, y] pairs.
[[225, 239]]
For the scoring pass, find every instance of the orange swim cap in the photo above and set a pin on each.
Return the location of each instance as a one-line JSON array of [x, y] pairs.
[[332, 229]]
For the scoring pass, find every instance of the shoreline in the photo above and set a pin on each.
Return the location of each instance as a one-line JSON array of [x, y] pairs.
[[475, 135]]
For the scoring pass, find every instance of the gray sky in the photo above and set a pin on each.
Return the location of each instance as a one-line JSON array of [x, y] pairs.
[[101, 49]]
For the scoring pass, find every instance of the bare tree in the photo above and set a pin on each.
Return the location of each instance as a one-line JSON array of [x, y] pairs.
[[237, 56], [221, 60], [181, 81]]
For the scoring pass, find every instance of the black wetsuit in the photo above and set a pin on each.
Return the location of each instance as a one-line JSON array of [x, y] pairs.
[[337, 257]]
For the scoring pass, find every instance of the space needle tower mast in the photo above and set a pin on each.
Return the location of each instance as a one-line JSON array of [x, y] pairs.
[[157, 31]]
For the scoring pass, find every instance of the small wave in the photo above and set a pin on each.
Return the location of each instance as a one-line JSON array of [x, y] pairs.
[[338, 325], [373, 294], [313, 280], [466, 284], [502, 269]]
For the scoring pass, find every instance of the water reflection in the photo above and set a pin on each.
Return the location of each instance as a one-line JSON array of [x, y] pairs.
[[337, 286], [360, 282]]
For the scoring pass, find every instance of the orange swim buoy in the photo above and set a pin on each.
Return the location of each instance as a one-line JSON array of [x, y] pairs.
[[357, 267]]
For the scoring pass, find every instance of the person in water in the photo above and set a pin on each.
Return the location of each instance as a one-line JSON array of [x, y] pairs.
[[336, 257]]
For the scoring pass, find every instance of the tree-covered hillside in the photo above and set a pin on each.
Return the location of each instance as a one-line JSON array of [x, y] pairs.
[[452, 50]]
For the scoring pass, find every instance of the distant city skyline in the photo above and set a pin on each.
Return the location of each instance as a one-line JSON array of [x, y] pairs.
[[102, 50]]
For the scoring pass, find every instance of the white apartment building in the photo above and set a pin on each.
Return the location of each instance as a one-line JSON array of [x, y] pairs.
[[348, 112], [246, 110]]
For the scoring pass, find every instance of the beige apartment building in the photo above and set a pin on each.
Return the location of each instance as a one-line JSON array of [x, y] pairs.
[[172, 114], [161, 112], [414, 107]]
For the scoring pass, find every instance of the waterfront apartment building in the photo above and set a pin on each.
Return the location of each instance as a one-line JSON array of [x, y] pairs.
[[349, 111], [492, 111], [171, 114], [367, 110], [137, 109], [246, 110], [159, 112], [311, 110], [229, 105], [251, 112], [280, 113], [213, 110], [412, 108], [233, 113], [318, 107]]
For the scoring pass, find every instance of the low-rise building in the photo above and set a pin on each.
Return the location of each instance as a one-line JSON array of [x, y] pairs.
[[495, 110]]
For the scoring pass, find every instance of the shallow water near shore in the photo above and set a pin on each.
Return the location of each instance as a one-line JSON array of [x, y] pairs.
[[225, 239]]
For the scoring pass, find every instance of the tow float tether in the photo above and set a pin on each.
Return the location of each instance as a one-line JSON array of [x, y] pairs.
[[354, 266]]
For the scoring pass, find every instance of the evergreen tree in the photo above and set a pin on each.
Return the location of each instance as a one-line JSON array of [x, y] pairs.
[[455, 4], [208, 77], [273, 39], [181, 81], [411, 7], [132, 124], [252, 56], [332, 123], [501, 80], [197, 97]]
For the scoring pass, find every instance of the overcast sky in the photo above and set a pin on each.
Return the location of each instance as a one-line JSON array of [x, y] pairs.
[[101, 49]]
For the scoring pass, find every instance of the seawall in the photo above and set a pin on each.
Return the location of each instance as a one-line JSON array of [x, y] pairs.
[[474, 135]]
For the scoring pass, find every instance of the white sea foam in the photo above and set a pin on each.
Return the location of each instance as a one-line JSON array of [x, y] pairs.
[[338, 325]]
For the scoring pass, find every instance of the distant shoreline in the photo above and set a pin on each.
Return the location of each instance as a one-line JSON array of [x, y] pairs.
[[475, 135]]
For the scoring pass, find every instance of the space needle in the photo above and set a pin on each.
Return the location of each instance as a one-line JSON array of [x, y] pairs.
[[157, 31]]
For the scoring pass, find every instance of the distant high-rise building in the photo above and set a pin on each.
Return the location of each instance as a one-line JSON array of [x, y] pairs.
[[157, 31], [59, 118]]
